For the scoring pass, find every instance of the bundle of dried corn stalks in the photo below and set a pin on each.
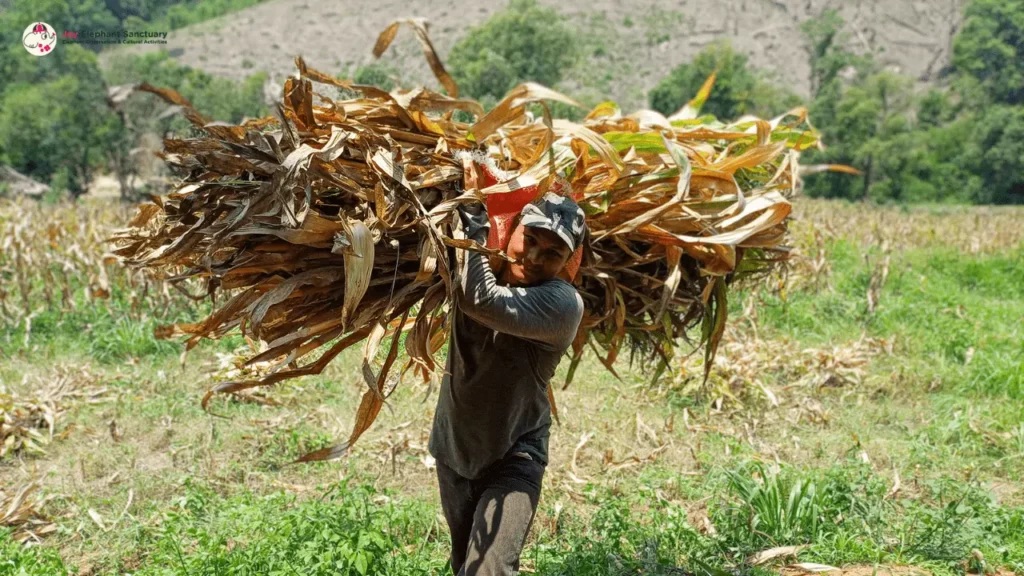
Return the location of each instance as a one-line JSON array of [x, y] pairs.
[[331, 221]]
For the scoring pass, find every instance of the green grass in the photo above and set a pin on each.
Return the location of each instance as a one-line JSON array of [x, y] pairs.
[[108, 331], [343, 531], [350, 528], [218, 496], [18, 560], [956, 317]]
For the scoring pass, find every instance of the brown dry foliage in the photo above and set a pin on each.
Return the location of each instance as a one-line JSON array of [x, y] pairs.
[[30, 421], [20, 510], [55, 259], [333, 223]]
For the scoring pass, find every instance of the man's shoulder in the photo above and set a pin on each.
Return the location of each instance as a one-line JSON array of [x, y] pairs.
[[569, 297], [563, 289]]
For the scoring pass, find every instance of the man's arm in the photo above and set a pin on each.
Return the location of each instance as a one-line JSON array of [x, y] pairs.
[[549, 313]]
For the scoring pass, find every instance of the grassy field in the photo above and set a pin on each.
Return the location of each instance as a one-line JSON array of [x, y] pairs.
[[866, 412]]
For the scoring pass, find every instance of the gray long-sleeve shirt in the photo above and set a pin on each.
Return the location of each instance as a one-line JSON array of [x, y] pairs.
[[505, 345]]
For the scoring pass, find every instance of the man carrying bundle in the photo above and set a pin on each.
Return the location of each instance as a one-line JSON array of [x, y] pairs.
[[490, 431]]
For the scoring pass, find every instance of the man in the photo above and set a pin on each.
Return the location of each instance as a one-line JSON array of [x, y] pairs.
[[490, 432]]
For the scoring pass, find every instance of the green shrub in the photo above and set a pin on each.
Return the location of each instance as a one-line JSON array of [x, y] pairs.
[[58, 125], [523, 42], [173, 15], [738, 90], [377, 74]]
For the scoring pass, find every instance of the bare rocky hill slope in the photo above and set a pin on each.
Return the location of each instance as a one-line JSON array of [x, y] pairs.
[[631, 45]]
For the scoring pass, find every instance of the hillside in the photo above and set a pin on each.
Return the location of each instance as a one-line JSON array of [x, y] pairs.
[[635, 43]]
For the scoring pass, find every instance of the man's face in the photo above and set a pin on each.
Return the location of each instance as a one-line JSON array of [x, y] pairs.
[[540, 255]]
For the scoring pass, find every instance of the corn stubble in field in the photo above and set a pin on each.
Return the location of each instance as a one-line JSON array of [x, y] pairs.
[[977, 230], [332, 220], [20, 511], [55, 260], [747, 360], [28, 422]]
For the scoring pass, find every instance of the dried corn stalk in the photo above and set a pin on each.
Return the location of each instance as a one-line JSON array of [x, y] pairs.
[[28, 423], [20, 511], [56, 259], [330, 223]]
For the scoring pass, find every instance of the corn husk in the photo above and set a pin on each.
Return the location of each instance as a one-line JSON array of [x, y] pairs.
[[333, 223]]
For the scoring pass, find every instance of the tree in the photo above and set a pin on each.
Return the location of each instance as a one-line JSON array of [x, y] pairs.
[[733, 91], [52, 127], [994, 154], [848, 118], [52, 107], [862, 123], [990, 48], [935, 108], [826, 50], [523, 42], [864, 117], [738, 90], [956, 145], [55, 121]]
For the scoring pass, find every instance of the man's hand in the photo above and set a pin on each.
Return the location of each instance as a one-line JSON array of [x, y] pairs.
[[474, 218]]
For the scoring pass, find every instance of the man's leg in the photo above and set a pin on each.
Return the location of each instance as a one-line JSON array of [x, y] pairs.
[[459, 505], [503, 517]]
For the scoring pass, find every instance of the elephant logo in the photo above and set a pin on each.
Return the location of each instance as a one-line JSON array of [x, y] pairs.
[[39, 39]]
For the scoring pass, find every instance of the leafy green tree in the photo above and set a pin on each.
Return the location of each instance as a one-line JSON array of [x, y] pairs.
[[52, 108], [738, 90], [864, 123], [52, 123], [990, 48], [935, 108], [734, 86], [27, 134], [151, 14], [523, 42], [865, 119], [994, 155], [848, 118], [902, 165], [55, 122], [16, 65], [62, 15]]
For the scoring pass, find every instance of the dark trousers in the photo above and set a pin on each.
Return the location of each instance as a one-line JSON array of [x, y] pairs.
[[489, 517]]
